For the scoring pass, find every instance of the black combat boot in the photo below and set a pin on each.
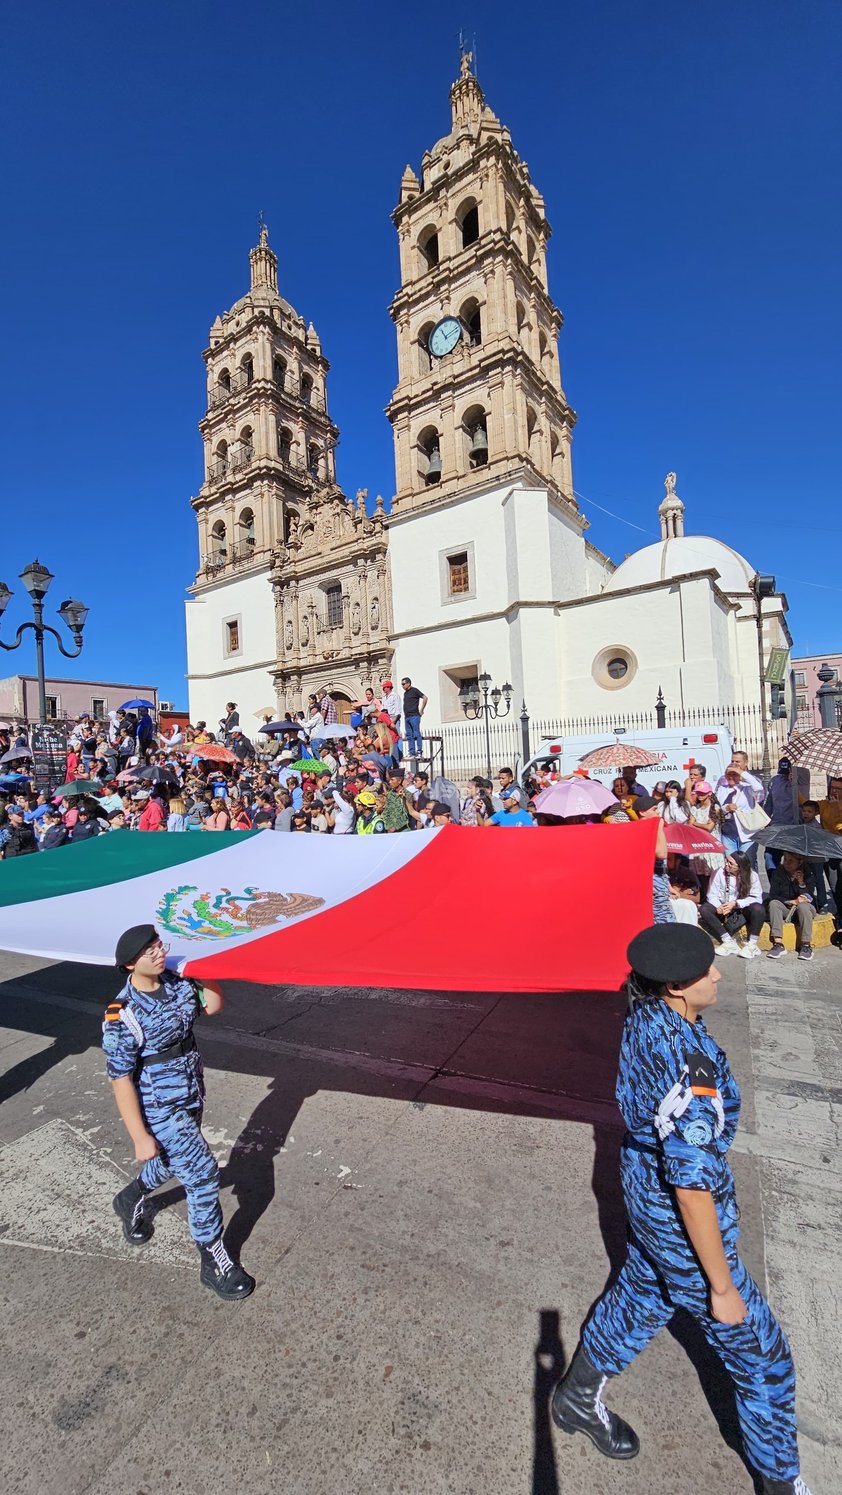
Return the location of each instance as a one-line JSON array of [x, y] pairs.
[[577, 1407], [783, 1486], [130, 1205], [225, 1277]]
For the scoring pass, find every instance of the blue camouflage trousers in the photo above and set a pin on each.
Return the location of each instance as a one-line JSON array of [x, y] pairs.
[[184, 1154], [755, 1352]]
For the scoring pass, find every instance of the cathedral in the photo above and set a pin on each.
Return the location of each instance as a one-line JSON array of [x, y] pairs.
[[482, 563]]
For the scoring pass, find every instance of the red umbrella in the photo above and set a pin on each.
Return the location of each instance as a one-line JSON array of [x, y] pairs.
[[620, 755], [214, 752], [688, 841]]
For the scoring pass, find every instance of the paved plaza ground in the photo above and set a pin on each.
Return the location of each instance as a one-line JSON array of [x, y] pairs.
[[425, 1186]]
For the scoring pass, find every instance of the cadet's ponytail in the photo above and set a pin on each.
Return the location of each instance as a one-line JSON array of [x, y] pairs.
[[640, 989]]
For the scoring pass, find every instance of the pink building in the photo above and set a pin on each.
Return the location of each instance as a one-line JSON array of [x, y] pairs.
[[67, 699], [805, 674]]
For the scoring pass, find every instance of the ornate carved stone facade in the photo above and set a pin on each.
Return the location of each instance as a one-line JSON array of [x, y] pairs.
[[293, 584], [333, 601]]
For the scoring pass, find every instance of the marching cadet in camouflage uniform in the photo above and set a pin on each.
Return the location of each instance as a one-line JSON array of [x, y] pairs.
[[681, 1107], [156, 1073]]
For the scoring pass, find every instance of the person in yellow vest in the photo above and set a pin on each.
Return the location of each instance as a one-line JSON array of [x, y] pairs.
[[830, 809], [830, 814], [369, 820]]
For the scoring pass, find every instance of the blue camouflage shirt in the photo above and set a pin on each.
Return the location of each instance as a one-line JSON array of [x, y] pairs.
[[143, 1023], [678, 1097]]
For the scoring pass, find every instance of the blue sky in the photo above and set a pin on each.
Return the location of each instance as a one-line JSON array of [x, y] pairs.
[[690, 161]]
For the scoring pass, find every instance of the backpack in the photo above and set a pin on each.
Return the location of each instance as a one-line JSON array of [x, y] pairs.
[[445, 791]]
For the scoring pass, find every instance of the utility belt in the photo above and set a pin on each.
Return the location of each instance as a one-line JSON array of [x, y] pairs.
[[175, 1051], [631, 1144]]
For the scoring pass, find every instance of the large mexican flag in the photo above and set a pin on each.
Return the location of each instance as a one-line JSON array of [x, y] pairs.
[[449, 909]]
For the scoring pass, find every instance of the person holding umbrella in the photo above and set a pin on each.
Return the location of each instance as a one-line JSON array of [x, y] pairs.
[[681, 1106]]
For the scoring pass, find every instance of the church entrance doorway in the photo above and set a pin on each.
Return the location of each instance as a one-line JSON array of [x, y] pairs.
[[343, 707]]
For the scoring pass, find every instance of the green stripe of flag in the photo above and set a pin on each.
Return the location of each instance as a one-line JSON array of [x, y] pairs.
[[115, 856]]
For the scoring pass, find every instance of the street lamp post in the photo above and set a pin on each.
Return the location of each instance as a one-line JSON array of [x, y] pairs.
[[481, 701], [36, 578], [828, 696], [762, 586]]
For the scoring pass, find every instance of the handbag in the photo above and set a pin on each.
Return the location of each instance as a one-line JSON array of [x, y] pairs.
[[734, 921], [754, 819]]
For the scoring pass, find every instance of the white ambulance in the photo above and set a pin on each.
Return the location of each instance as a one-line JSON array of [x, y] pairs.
[[679, 749]]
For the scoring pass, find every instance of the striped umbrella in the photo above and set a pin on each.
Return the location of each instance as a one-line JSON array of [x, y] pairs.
[[819, 750], [620, 755], [213, 752]]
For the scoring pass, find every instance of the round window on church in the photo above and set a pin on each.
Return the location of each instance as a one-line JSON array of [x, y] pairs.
[[614, 667]]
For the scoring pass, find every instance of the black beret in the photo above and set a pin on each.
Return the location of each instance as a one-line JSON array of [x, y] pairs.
[[671, 953], [130, 944]]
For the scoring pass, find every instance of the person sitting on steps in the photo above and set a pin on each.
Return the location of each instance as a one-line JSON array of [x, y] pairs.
[[790, 900]]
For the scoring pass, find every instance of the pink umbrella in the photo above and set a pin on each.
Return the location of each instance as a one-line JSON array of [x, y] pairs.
[[574, 797], [688, 841]]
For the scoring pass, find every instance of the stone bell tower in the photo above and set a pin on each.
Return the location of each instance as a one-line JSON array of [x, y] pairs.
[[479, 399], [292, 592], [485, 535]]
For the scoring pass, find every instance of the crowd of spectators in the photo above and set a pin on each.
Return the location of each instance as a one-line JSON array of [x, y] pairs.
[[314, 775]]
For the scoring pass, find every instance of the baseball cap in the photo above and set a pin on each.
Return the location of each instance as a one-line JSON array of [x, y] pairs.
[[387, 685], [702, 787]]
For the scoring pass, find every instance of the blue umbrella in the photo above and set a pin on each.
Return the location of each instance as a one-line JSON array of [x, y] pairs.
[[130, 705], [14, 778]]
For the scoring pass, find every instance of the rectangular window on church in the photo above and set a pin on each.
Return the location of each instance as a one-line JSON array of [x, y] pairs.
[[459, 580], [458, 574], [333, 606], [232, 636]]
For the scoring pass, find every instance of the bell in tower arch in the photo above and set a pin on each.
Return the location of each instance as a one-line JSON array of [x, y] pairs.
[[478, 445], [434, 467]]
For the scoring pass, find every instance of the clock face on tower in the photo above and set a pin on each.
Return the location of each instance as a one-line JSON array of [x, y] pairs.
[[444, 336]]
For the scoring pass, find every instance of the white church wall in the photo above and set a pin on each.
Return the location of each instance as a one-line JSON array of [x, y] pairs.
[[598, 569], [521, 550], [217, 675], [417, 544], [435, 661], [670, 636]]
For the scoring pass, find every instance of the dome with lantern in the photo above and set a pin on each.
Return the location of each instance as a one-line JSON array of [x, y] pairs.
[[677, 554]]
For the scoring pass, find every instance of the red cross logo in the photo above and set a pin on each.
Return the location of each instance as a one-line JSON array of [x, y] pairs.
[[691, 764]]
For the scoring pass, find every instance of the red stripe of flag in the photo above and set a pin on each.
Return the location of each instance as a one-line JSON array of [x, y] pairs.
[[499, 912]]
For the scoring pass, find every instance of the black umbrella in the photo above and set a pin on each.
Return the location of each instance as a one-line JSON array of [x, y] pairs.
[[155, 774], [808, 841], [282, 727], [15, 753]]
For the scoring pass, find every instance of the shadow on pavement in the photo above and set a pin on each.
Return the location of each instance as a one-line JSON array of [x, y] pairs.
[[511, 1046], [549, 1363]]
